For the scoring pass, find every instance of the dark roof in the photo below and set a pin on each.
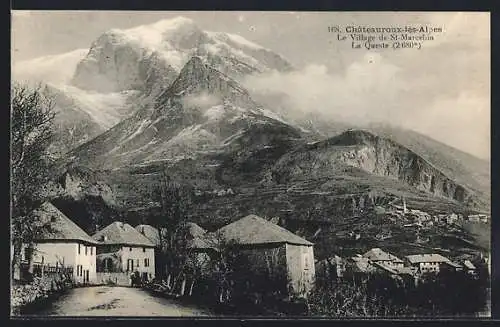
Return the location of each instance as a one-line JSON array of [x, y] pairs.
[[256, 230], [376, 254], [59, 226], [122, 234]]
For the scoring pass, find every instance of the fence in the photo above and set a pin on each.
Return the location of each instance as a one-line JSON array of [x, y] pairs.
[[41, 270]]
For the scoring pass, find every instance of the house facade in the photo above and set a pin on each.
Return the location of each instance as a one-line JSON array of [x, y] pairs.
[[153, 234], [64, 244], [123, 251], [427, 263], [273, 253]]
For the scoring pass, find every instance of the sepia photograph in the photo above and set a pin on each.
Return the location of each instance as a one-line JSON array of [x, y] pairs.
[[253, 164]]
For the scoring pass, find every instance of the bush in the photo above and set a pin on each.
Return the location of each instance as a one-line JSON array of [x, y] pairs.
[[444, 295]]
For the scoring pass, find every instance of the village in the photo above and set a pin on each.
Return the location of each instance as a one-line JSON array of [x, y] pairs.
[[251, 257]]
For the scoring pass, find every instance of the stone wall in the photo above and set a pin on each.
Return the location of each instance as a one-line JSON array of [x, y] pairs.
[[117, 278]]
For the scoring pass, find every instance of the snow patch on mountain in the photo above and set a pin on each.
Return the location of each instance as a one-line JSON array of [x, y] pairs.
[[106, 109]]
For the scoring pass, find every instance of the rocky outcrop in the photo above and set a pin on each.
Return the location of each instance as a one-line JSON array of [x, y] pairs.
[[372, 154]]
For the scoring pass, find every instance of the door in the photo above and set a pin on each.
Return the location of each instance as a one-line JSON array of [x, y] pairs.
[[86, 276], [130, 265]]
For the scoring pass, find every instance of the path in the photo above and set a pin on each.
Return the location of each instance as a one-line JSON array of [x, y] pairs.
[[118, 301]]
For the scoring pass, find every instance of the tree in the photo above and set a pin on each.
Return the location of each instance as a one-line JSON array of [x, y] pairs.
[[175, 200], [32, 116]]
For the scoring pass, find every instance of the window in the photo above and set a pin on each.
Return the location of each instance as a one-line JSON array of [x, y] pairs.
[[91, 250], [137, 263], [130, 265], [143, 249], [79, 270], [306, 261], [130, 249], [79, 245], [85, 250], [146, 262]]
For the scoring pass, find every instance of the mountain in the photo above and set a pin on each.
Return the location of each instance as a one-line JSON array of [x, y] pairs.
[[203, 111], [140, 57], [125, 70]]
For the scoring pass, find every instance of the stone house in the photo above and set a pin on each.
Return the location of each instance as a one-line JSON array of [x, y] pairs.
[[124, 251], [272, 252], [63, 244]]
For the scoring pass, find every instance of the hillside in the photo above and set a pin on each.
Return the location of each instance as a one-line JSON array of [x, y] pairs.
[[375, 155]]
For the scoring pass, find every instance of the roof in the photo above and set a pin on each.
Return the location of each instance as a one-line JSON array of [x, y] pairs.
[[150, 232], [360, 264], [253, 229], [394, 270], [60, 227], [196, 237], [434, 257], [376, 254], [122, 234], [194, 229], [454, 264], [468, 264]]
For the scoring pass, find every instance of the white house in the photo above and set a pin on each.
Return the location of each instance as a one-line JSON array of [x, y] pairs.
[[123, 249], [427, 263], [64, 244]]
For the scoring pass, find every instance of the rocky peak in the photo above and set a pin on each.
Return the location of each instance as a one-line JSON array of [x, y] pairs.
[[197, 76]]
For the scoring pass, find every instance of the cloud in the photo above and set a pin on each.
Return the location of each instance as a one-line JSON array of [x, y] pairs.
[[201, 101], [366, 92], [373, 90], [462, 122], [57, 69]]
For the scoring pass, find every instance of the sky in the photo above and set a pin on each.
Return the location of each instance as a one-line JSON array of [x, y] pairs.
[[441, 90]]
